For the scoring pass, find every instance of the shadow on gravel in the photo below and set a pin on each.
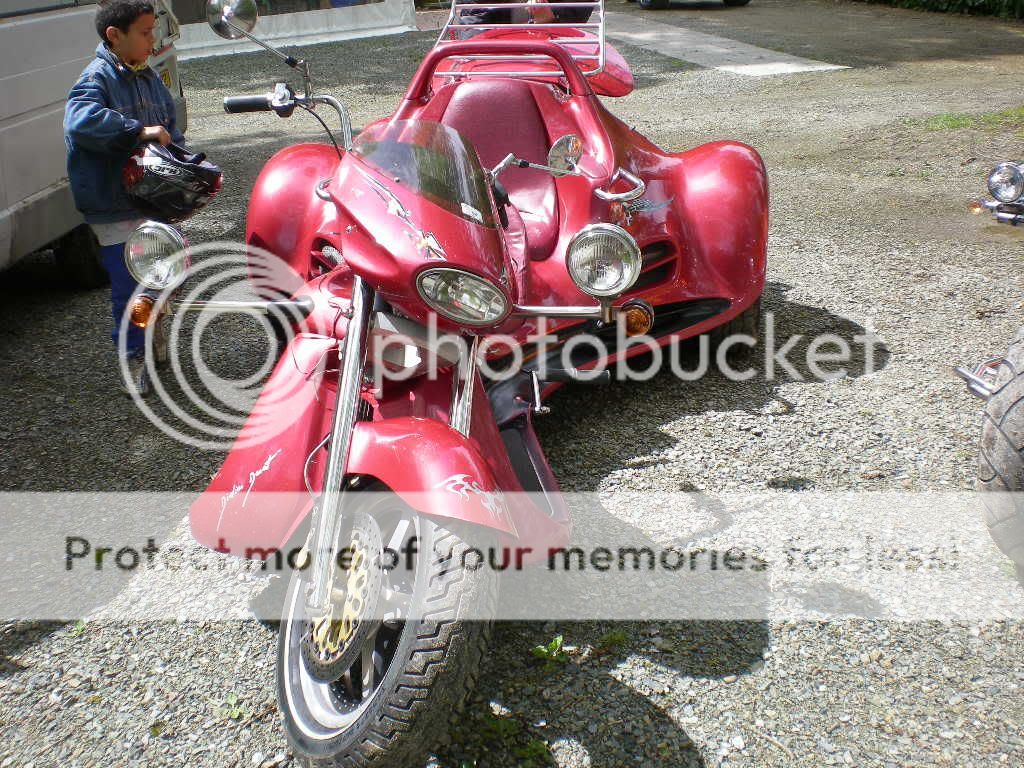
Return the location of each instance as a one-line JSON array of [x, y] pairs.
[[586, 415], [18, 636], [592, 701]]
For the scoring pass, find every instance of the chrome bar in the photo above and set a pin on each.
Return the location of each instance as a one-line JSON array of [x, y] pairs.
[[595, 313], [303, 306], [462, 391], [452, 29], [343, 116], [977, 385], [328, 519], [639, 187]]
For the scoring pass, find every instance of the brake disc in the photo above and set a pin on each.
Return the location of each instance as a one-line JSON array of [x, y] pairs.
[[333, 642]]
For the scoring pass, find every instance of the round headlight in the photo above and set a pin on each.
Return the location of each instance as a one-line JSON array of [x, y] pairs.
[[156, 255], [603, 260], [1006, 182], [462, 297]]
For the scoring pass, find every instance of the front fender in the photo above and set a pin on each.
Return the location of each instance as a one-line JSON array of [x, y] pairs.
[[433, 468]]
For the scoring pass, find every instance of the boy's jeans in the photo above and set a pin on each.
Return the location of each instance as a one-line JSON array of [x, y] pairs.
[[122, 285]]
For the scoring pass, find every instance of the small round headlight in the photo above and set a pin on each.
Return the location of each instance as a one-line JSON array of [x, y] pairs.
[[1006, 183], [603, 260], [156, 255], [462, 296]]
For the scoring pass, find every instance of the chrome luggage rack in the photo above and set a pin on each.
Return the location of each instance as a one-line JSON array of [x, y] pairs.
[[589, 63]]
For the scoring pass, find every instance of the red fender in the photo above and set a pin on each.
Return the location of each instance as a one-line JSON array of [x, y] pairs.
[[259, 497]]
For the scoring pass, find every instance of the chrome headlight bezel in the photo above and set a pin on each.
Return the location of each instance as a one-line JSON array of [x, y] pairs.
[[168, 267], [628, 253], [1016, 183], [446, 275]]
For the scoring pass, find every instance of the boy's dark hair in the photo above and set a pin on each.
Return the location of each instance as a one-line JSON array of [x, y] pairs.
[[120, 14]]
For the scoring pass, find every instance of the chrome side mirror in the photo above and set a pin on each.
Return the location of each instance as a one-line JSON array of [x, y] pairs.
[[564, 155], [232, 19]]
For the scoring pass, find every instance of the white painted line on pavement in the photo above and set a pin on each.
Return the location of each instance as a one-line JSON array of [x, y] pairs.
[[708, 51]]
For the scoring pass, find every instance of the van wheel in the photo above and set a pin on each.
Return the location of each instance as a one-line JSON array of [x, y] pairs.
[[80, 259]]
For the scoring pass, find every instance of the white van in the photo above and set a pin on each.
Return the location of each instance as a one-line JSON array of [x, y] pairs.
[[44, 46]]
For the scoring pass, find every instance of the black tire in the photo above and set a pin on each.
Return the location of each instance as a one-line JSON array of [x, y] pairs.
[[79, 258], [653, 5], [736, 3], [747, 322], [428, 670], [1001, 458]]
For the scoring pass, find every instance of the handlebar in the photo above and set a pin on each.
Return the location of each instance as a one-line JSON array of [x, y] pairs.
[[237, 104]]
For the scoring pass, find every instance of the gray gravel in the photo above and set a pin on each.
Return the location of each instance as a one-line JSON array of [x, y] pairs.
[[868, 230]]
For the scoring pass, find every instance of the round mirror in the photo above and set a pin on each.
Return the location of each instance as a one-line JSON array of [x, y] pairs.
[[226, 17], [565, 154]]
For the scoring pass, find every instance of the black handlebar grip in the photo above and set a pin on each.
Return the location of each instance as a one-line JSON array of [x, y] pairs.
[[235, 104]]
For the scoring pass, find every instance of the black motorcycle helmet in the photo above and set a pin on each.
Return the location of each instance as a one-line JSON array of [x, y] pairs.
[[170, 183]]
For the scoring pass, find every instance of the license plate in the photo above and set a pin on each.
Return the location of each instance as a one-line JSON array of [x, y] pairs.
[[165, 75]]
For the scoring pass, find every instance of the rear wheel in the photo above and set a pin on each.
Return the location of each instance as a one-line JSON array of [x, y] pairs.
[[747, 323], [381, 691], [1001, 459], [80, 259]]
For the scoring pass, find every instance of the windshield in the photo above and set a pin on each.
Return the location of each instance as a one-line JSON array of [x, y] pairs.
[[431, 160]]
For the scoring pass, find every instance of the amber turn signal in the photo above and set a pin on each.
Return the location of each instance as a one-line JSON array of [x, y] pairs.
[[142, 310], [639, 319]]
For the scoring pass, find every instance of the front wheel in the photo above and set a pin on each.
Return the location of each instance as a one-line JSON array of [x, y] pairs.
[[368, 692], [1001, 459]]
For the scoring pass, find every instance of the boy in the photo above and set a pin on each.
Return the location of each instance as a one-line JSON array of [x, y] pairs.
[[117, 104]]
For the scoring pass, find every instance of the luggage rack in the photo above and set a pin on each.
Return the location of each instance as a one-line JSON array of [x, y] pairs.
[[592, 35]]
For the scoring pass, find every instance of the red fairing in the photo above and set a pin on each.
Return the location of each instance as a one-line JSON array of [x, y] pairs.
[[285, 213]]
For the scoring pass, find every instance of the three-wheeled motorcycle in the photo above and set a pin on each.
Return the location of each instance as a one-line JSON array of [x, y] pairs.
[[503, 205]]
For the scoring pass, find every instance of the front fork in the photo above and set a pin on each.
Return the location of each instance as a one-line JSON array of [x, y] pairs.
[[328, 521]]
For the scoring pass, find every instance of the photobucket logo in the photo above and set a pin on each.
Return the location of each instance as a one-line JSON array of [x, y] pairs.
[[613, 352], [194, 402]]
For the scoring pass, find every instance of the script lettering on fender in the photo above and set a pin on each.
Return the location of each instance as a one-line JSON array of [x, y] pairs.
[[253, 476]]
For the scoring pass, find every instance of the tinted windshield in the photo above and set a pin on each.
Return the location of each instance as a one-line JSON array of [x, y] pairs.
[[432, 160]]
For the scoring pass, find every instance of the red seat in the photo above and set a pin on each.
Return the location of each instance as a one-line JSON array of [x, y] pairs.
[[498, 117]]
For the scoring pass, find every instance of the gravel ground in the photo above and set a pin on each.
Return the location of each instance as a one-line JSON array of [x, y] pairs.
[[869, 230]]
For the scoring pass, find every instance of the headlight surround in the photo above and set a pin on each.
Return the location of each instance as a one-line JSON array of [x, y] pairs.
[[156, 255], [1006, 182], [603, 260], [462, 296]]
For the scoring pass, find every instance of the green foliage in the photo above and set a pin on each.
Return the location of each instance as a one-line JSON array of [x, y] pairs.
[[78, 630], [232, 709], [499, 729], [1007, 119], [612, 641], [533, 754], [1009, 9], [552, 654]]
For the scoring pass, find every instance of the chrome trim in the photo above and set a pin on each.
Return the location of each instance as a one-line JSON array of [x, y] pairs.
[[451, 29], [639, 188], [464, 382], [328, 519], [538, 408], [982, 380], [582, 312], [303, 306]]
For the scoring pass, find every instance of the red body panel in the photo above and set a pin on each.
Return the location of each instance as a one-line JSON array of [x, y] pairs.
[[704, 218]]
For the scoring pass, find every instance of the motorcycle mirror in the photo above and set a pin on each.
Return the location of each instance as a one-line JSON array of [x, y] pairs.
[[232, 19], [564, 155]]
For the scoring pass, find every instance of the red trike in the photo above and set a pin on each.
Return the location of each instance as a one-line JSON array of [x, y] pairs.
[[500, 203]]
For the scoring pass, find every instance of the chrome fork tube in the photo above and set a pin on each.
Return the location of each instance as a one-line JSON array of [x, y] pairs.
[[328, 520]]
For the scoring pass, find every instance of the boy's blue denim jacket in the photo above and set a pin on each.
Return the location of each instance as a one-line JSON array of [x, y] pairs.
[[106, 110]]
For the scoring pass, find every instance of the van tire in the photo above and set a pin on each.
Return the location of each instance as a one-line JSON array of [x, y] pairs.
[[80, 258]]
